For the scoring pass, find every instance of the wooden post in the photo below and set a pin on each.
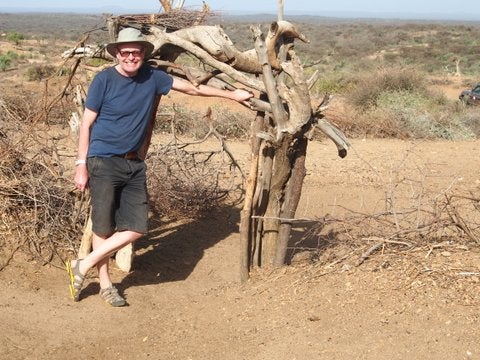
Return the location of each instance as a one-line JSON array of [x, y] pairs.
[[86, 242], [245, 217], [292, 197]]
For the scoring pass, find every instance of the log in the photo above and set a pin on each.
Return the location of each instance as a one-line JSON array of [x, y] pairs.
[[217, 43], [278, 112], [334, 134], [86, 242], [277, 31], [245, 217], [297, 96], [124, 258], [292, 197], [280, 176], [159, 38]]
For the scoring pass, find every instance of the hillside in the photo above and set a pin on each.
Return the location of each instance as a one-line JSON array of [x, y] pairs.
[[380, 265]]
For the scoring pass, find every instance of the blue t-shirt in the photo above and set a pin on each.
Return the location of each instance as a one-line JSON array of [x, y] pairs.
[[124, 106]]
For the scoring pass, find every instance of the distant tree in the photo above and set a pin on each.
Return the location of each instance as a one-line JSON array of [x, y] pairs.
[[15, 37]]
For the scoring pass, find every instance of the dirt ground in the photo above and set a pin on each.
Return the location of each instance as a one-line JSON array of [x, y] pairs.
[[186, 301]]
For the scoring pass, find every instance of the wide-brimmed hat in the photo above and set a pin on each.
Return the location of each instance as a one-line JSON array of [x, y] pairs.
[[130, 35]]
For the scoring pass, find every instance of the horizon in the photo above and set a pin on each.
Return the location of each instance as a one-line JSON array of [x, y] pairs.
[[346, 10], [330, 14]]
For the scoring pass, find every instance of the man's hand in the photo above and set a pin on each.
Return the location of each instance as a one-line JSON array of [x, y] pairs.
[[241, 95], [81, 177]]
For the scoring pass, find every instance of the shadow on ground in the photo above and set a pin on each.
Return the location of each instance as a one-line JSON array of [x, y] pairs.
[[310, 240], [172, 249]]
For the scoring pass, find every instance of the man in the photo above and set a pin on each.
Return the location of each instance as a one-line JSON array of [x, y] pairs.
[[115, 128]]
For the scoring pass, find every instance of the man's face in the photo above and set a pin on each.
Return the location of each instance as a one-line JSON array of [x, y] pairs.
[[130, 57]]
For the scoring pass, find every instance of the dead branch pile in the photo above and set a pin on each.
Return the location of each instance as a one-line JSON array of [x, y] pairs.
[[39, 214], [173, 20], [414, 246], [423, 221], [17, 107], [189, 179]]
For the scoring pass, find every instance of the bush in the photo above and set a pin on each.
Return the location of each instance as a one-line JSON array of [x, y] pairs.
[[470, 119], [96, 62], [7, 60], [39, 72], [398, 103], [330, 85], [186, 122], [15, 37], [370, 89]]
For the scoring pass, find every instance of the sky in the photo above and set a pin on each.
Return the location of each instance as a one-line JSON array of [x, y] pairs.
[[347, 8]]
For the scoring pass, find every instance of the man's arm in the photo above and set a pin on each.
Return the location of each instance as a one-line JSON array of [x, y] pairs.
[[186, 87], [81, 173], [142, 152]]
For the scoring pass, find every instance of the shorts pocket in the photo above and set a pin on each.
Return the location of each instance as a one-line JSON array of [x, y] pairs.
[[93, 164]]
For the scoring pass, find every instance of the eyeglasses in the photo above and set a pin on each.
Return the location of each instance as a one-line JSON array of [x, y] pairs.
[[126, 53]]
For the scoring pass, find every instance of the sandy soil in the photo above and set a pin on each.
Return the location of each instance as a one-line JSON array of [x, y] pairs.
[[185, 301]]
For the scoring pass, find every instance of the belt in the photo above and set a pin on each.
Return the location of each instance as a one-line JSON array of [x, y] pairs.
[[132, 155]]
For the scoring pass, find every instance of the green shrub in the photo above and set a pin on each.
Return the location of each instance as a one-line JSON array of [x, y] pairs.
[[330, 85], [5, 62], [368, 90], [96, 62], [399, 104], [13, 55], [15, 37]]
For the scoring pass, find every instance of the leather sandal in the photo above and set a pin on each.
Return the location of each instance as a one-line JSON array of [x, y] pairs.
[[75, 277], [112, 297]]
